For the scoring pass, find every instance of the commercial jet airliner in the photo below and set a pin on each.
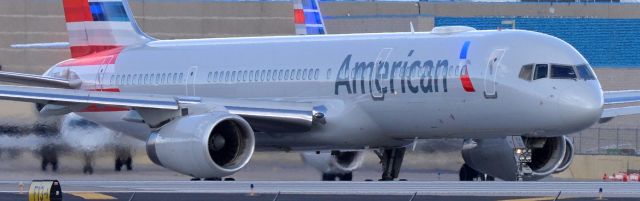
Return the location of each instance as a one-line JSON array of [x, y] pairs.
[[204, 105]]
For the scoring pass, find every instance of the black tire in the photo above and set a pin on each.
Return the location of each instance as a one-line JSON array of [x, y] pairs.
[[44, 165], [467, 173], [346, 177], [213, 179], [328, 177], [118, 165], [129, 163], [195, 179], [54, 166], [229, 179]]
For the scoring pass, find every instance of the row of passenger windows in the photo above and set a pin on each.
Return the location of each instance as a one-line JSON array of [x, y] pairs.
[[148, 79], [538, 71], [263, 75]]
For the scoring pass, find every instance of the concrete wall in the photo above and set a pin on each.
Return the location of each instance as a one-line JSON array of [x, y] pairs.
[[593, 167]]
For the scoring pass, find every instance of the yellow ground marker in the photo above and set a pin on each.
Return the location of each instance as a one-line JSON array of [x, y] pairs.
[[93, 196], [531, 199]]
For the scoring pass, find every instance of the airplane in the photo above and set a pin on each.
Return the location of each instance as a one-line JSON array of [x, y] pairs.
[[70, 135], [203, 106]]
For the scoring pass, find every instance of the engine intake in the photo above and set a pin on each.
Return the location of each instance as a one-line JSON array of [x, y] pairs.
[[204, 146], [496, 157]]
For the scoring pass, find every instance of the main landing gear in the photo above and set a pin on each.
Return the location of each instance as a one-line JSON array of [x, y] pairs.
[[340, 177], [469, 174], [391, 160]]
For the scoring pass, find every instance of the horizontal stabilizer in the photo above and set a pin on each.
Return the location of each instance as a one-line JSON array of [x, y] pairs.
[[55, 45]]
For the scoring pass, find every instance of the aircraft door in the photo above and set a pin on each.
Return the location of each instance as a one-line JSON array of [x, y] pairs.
[[380, 71], [190, 84], [491, 74], [101, 75]]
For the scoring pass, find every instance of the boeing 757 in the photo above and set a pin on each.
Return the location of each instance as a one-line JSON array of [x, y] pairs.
[[203, 106]]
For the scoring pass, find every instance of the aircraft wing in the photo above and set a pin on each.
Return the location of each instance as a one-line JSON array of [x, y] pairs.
[[265, 115], [612, 98], [38, 81]]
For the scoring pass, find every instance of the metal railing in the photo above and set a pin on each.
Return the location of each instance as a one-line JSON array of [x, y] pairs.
[[607, 141]]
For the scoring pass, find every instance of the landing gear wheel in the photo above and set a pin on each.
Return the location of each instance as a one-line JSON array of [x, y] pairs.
[[213, 179], [129, 163], [391, 160], [87, 170], [328, 177], [346, 177], [467, 173], [118, 166], [229, 179], [54, 166], [44, 165], [195, 179]]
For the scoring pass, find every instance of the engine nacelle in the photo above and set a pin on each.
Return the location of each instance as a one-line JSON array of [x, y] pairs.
[[496, 157], [204, 146], [337, 163]]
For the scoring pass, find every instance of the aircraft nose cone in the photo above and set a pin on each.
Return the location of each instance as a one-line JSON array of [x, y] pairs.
[[580, 106]]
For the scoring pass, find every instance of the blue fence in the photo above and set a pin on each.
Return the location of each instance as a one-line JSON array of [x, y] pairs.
[[604, 42]]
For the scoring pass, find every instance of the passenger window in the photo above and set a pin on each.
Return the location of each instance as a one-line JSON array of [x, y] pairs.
[[250, 75], [310, 74], [262, 75], [158, 79], [244, 76], [585, 72], [562, 72], [239, 76], [286, 74], [541, 71], [209, 76], [293, 74], [117, 80], [526, 72], [181, 78], [280, 74], [316, 75], [163, 80], [275, 75], [128, 79], [175, 78], [269, 75], [298, 74]]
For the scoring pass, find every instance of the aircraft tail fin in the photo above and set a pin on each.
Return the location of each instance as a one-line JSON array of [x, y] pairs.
[[308, 18], [100, 25]]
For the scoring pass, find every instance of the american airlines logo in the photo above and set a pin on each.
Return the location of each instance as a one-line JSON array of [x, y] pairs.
[[382, 77]]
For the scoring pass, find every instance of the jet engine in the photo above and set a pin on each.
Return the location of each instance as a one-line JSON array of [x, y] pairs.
[[504, 159], [334, 164], [212, 145]]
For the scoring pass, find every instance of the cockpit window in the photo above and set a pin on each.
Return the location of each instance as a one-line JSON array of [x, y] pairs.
[[585, 72], [541, 71], [562, 72], [526, 72]]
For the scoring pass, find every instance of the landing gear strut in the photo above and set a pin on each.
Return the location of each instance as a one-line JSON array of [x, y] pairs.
[[391, 160]]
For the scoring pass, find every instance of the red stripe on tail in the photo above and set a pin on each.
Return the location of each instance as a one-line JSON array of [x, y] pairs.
[[77, 10], [105, 57]]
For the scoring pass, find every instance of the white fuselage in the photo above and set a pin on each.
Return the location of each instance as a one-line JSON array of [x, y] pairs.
[[379, 89]]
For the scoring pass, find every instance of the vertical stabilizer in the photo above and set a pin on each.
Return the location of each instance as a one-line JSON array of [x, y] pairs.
[[100, 25], [308, 18]]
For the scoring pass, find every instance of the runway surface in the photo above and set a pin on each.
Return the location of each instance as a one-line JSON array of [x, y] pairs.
[[352, 191]]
